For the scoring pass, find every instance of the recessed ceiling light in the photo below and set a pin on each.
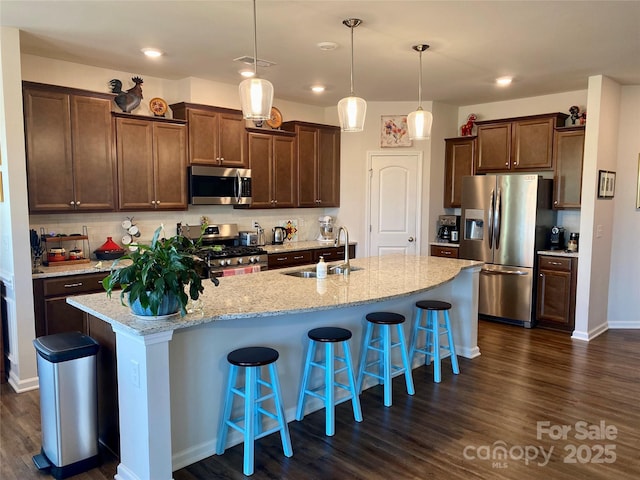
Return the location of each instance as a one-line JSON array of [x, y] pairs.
[[327, 45], [247, 73], [504, 81], [152, 52], [317, 88]]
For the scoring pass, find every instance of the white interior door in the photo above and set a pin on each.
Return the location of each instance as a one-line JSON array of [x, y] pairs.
[[395, 181]]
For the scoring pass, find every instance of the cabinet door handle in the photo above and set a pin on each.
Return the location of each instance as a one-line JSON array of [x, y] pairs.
[[298, 257], [555, 263], [282, 259], [446, 252], [72, 285], [72, 202]]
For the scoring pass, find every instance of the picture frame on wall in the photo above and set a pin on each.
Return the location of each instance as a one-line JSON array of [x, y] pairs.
[[394, 131], [606, 184]]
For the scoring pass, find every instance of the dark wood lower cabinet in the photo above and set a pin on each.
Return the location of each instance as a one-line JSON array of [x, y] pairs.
[[108, 427], [308, 257], [54, 315], [443, 251], [556, 292]]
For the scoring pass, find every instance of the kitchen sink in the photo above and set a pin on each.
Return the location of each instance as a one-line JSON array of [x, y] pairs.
[[311, 272]]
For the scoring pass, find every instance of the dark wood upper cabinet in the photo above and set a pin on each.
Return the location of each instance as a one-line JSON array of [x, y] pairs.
[[458, 162], [568, 156], [151, 163], [69, 146], [318, 158], [273, 169], [217, 136], [517, 144]]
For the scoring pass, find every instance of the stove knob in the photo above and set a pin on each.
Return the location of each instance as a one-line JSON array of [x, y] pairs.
[[222, 263], [253, 260], [240, 261], [228, 261]]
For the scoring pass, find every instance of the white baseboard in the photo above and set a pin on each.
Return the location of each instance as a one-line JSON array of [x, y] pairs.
[[21, 386], [624, 324]]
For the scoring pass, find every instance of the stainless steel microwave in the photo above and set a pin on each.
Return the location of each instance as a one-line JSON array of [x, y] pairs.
[[219, 185]]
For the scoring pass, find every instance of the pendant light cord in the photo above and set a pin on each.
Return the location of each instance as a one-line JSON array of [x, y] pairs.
[[351, 28], [420, 83], [255, 41]]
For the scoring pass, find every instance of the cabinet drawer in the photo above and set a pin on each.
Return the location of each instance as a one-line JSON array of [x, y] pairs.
[[450, 252], [74, 284], [555, 263], [280, 260]]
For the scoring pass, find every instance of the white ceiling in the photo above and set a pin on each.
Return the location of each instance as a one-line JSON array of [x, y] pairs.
[[548, 46]]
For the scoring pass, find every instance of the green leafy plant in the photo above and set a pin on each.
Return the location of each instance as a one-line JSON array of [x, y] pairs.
[[166, 266]]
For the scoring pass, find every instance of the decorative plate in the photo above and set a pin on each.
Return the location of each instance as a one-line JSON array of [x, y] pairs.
[[158, 106], [276, 118]]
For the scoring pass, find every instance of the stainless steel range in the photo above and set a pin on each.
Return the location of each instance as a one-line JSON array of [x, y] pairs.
[[221, 251]]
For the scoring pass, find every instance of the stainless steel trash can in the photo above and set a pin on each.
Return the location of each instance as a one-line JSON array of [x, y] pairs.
[[68, 403]]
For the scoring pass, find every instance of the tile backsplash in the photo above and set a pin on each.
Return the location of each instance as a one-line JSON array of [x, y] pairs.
[[103, 225]]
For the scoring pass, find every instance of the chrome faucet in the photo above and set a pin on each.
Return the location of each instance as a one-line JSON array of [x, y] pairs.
[[346, 267]]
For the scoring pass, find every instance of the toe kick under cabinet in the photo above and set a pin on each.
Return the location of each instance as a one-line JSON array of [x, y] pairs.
[[556, 292]]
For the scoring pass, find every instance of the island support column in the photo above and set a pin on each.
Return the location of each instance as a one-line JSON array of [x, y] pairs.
[[464, 314], [144, 404]]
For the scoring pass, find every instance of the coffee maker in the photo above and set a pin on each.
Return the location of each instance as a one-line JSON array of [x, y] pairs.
[[448, 228], [556, 239]]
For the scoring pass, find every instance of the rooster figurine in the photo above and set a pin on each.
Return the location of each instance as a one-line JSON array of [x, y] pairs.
[[129, 100]]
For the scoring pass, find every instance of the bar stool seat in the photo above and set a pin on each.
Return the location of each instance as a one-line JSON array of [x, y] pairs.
[[330, 336], [382, 346], [433, 329], [252, 359]]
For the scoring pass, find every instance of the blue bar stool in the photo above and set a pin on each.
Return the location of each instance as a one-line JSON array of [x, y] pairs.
[[329, 336], [382, 345], [434, 329], [250, 424]]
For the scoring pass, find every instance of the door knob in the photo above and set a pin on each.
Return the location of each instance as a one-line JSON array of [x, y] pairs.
[[410, 239]]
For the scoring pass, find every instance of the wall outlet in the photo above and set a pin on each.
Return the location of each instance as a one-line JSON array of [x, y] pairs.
[[598, 231], [135, 373], [255, 223]]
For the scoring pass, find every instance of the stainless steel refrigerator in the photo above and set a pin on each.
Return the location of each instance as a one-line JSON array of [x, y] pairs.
[[505, 220]]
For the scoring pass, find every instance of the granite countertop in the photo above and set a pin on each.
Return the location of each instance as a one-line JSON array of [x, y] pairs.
[[558, 253], [94, 266], [445, 244], [271, 292], [105, 265], [297, 246]]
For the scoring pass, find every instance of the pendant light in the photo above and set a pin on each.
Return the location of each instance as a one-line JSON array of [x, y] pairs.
[[352, 109], [419, 122], [256, 94]]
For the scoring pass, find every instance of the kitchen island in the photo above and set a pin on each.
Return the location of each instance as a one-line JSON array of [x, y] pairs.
[[171, 372]]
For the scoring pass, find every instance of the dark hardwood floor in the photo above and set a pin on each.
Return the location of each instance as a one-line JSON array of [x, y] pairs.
[[445, 431]]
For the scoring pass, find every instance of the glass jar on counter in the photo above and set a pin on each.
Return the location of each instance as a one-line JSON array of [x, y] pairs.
[[572, 246]]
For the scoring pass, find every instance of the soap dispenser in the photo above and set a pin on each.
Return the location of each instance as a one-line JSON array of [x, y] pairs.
[[321, 268]]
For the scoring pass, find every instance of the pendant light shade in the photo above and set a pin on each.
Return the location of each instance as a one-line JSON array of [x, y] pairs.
[[419, 122], [256, 94], [352, 110], [256, 97]]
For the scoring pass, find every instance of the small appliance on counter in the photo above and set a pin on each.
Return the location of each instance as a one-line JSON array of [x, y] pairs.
[[279, 234], [448, 228], [248, 238], [326, 229], [556, 240], [574, 240]]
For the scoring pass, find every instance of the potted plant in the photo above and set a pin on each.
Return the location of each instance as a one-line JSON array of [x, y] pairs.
[[155, 281]]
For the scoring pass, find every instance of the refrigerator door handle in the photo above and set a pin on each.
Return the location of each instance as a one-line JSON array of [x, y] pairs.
[[497, 218], [502, 272], [490, 219]]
